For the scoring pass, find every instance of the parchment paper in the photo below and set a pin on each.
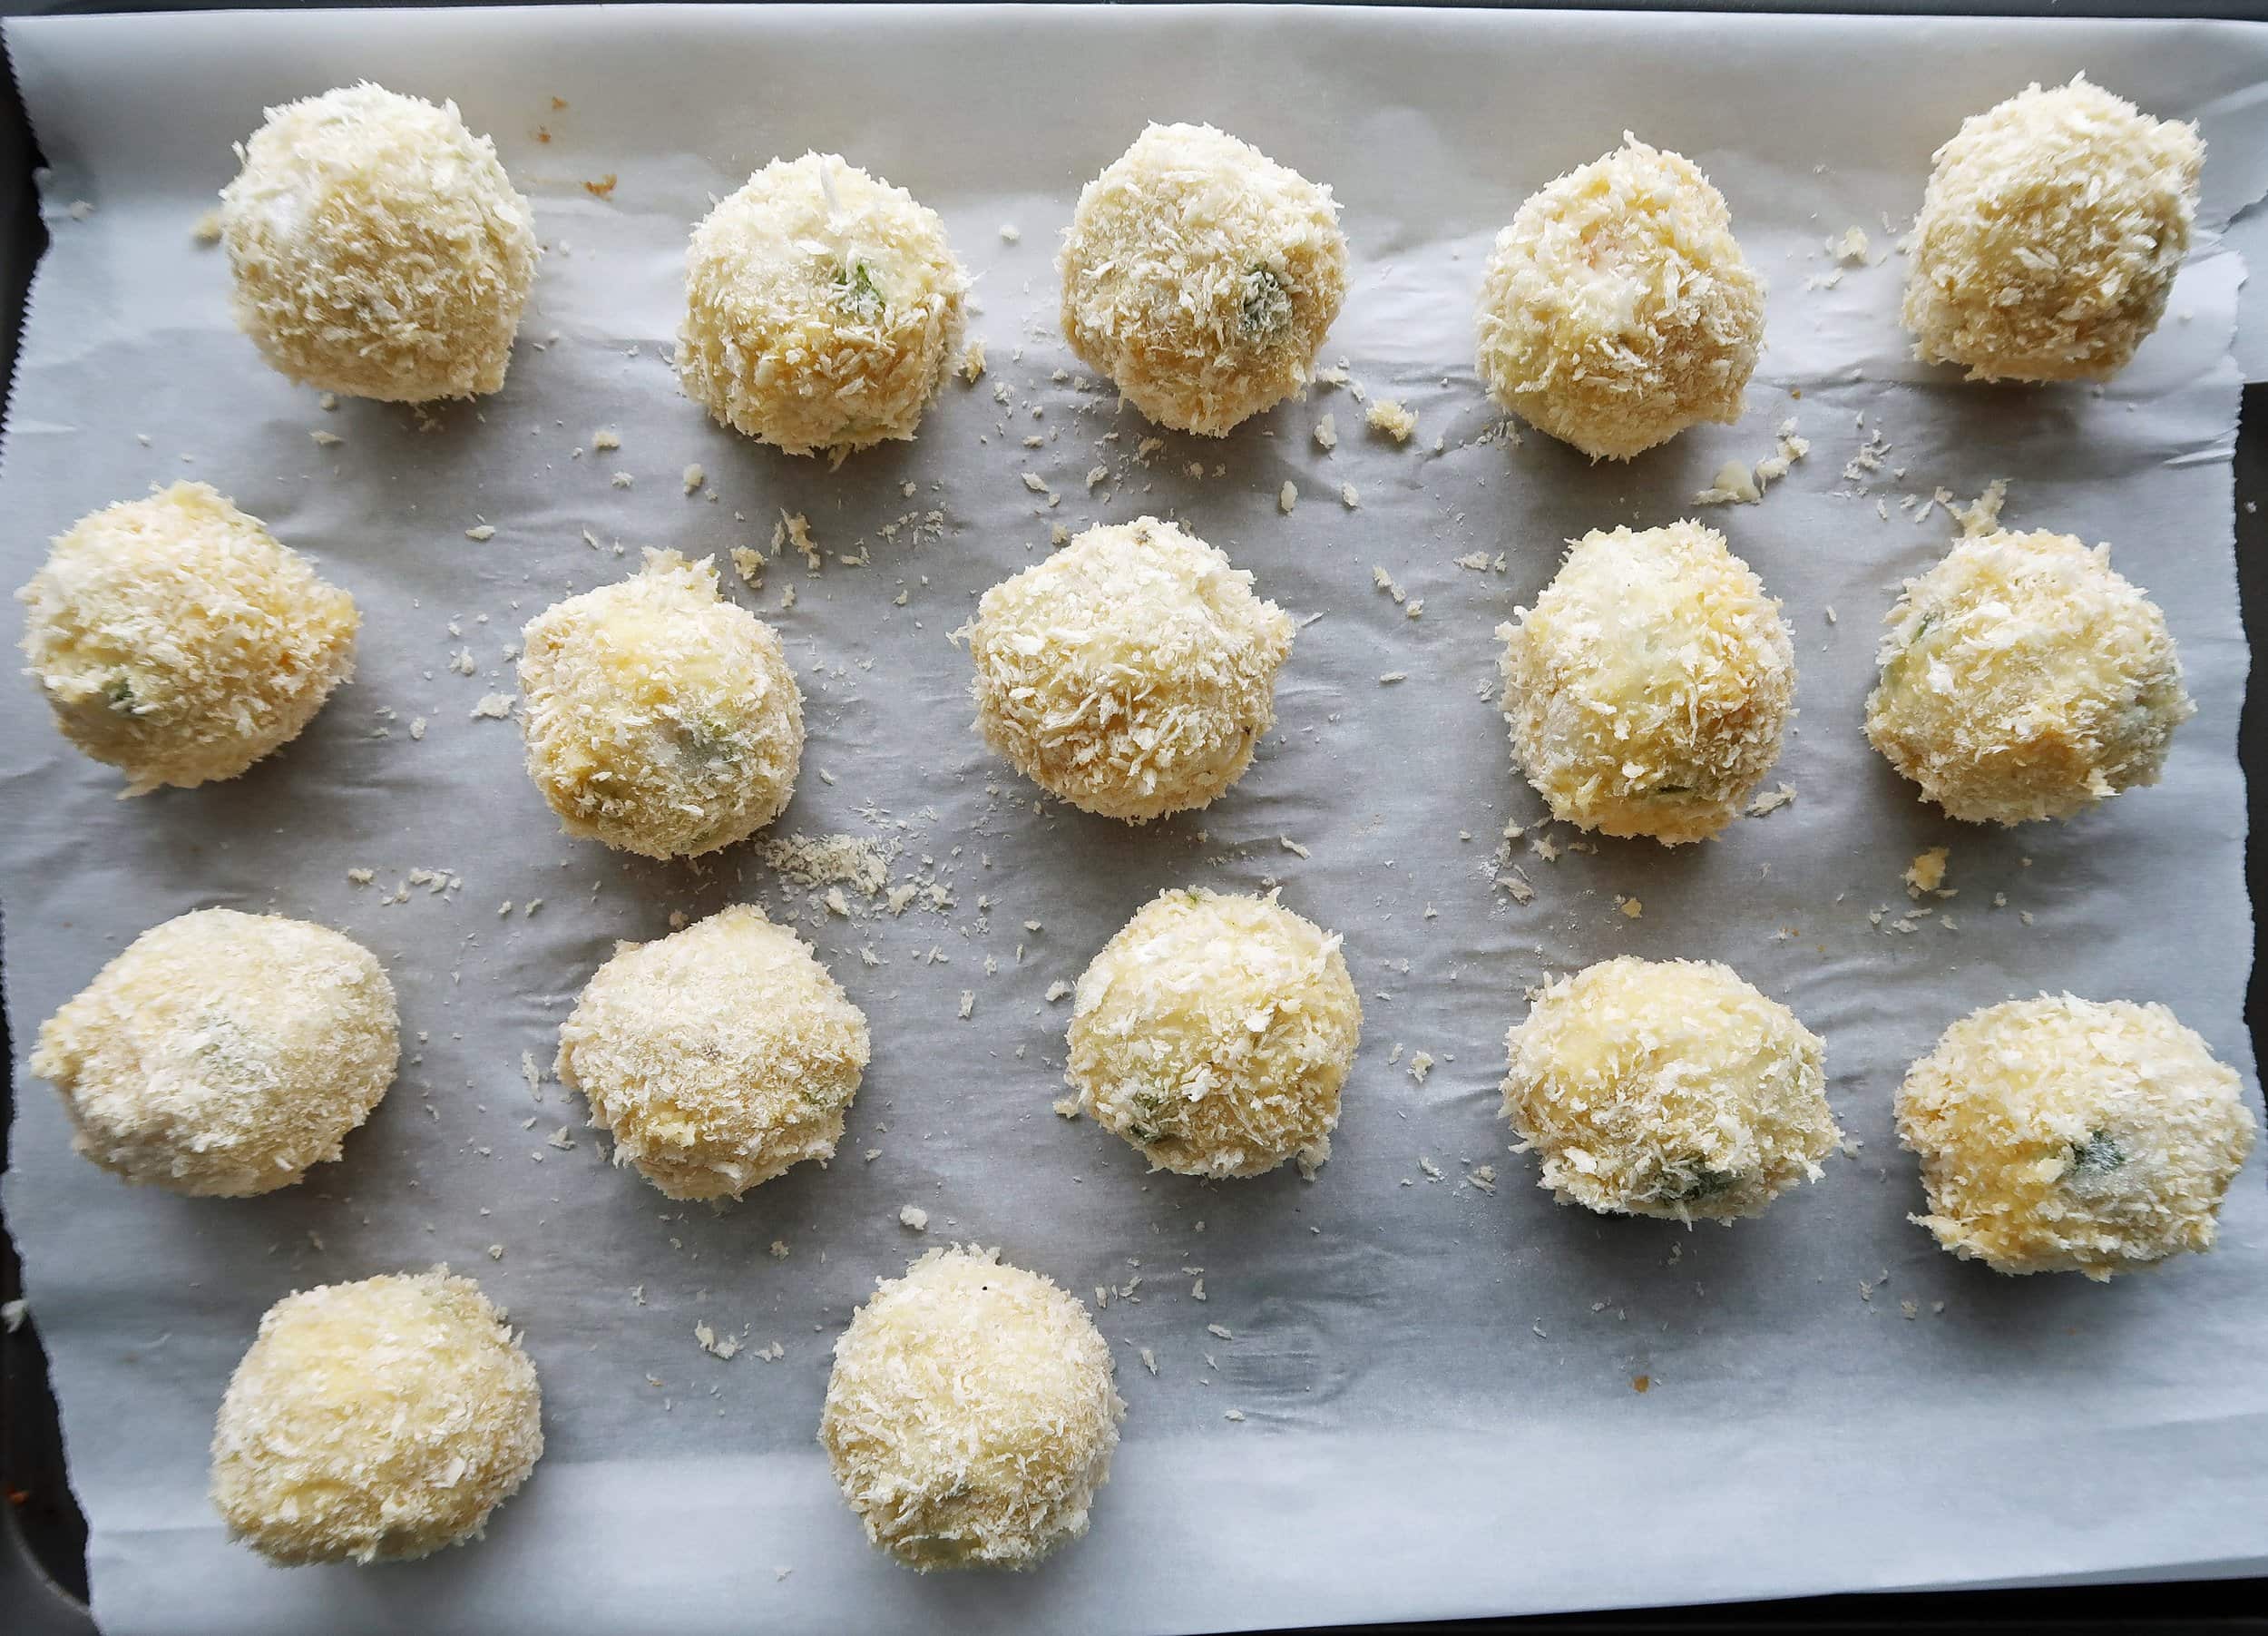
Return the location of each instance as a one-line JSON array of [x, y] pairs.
[[1437, 1384]]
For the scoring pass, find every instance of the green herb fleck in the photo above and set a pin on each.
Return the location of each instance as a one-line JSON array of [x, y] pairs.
[[119, 694], [2098, 1155], [859, 297], [1680, 1188], [1267, 307]]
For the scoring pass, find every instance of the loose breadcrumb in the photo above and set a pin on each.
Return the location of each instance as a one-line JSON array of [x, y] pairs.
[[1388, 417]]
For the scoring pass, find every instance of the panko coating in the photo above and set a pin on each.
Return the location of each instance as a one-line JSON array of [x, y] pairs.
[[970, 1416], [2067, 1135], [2022, 679], [1667, 1088], [1214, 1032], [1647, 688], [823, 308], [2049, 235], [221, 1054], [661, 719], [378, 249], [1616, 310], [1201, 277], [1132, 672], [375, 1421], [718, 1056], [176, 640]]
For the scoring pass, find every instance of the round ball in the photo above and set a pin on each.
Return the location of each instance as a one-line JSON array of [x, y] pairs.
[[1201, 277], [1616, 310], [2067, 1135], [822, 309], [718, 1056], [661, 719], [1648, 687], [221, 1053], [175, 639], [970, 1416], [1667, 1088], [1132, 672], [2050, 235], [375, 1421], [2021, 678], [1214, 1032], [378, 249]]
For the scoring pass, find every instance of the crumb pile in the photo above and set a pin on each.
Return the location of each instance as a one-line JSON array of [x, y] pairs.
[[969, 1417], [661, 719], [2062, 1135], [2021, 678], [1132, 672], [718, 1056], [1214, 1032], [1667, 1088], [175, 639], [823, 308], [378, 249], [1616, 310], [1201, 277], [375, 1421], [2050, 232], [1648, 686], [223, 1053]]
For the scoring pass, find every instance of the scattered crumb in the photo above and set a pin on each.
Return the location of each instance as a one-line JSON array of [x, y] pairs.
[[1388, 417], [1927, 872], [1327, 433], [1287, 496], [915, 1217]]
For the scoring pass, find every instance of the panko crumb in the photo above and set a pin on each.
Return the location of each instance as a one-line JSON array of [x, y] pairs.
[[1391, 418], [1926, 873]]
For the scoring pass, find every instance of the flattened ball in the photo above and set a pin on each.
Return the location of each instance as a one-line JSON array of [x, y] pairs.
[[2067, 1135], [969, 1417], [1647, 688], [718, 1056], [1667, 1088], [223, 1053], [378, 249], [176, 640], [1200, 277], [822, 309], [661, 719], [1214, 1032], [375, 1421]]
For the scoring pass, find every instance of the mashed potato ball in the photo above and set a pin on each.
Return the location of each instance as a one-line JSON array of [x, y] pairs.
[[822, 309], [661, 719], [223, 1053], [718, 1056], [1213, 1031], [2050, 235], [378, 247], [1201, 277], [1132, 672], [1647, 688], [375, 1421], [1667, 1088], [2021, 678], [2067, 1135], [1616, 310], [969, 1417], [175, 639]]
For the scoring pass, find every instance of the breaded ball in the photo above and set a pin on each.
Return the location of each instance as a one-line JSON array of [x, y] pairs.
[[1214, 1032], [1616, 310], [2050, 235], [970, 1416], [2067, 1135], [175, 639], [1201, 277], [822, 309], [1647, 688], [1132, 672], [378, 247], [2021, 678], [375, 1421], [1667, 1088], [718, 1056], [221, 1053], [661, 719]]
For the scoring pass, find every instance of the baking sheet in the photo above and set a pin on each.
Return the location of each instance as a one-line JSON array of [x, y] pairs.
[[1438, 1383]]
